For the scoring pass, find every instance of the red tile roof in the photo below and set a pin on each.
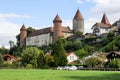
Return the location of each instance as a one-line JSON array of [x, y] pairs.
[[105, 19], [10, 56], [23, 28], [78, 15], [57, 19], [48, 30], [101, 25], [69, 53]]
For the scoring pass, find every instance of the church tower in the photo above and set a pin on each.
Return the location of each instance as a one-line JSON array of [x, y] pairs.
[[23, 35], [105, 20], [57, 27], [78, 22]]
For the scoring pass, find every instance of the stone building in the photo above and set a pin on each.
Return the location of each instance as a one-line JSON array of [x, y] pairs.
[[48, 35]]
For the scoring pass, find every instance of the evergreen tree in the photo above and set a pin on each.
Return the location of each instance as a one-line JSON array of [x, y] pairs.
[[59, 53]]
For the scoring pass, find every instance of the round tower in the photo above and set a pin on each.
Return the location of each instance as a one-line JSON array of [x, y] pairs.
[[57, 27], [78, 22], [23, 35]]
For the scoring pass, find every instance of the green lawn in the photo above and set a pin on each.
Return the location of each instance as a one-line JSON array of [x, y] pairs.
[[25, 74]]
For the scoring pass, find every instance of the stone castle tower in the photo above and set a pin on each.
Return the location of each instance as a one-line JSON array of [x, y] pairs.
[[57, 27], [23, 35], [78, 22]]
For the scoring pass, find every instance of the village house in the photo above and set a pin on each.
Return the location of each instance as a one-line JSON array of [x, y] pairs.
[[9, 58], [113, 56], [102, 27], [71, 57]]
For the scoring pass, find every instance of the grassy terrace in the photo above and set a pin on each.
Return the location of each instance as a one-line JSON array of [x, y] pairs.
[[35, 74]]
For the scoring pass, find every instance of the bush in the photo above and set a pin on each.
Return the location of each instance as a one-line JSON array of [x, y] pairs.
[[29, 66], [114, 64], [93, 62]]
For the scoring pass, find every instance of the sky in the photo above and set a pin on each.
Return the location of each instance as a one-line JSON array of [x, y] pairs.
[[40, 14]]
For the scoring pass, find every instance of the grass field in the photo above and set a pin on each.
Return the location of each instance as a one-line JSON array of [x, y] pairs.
[[34, 74]]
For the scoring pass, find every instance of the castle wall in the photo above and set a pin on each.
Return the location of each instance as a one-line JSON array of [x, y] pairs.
[[40, 40]]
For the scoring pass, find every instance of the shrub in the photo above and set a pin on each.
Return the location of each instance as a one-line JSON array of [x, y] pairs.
[[29, 66]]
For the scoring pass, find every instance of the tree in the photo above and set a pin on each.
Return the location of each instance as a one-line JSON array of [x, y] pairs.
[[3, 50], [41, 60], [81, 53], [114, 64], [110, 36], [92, 62], [59, 53], [30, 55], [49, 60], [11, 43], [30, 30], [1, 59]]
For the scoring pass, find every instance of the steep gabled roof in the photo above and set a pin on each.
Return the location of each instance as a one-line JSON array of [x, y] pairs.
[[101, 25], [78, 15], [8, 55], [48, 30], [105, 20], [57, 19], [23, 28], [41, 31]]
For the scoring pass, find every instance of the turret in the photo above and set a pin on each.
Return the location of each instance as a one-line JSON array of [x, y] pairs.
[[57, 27], [78, 22], [23, 35]]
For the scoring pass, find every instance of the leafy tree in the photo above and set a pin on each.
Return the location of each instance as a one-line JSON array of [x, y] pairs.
[[1, 59], [112, 46], [30, 55], [16, 51], [41, 60], [81, 53], [72, 45], [92, 62], [114, 64], [30, 30], [49, 60], [11, 44], [110, 36], [59, 53], [3, 50]]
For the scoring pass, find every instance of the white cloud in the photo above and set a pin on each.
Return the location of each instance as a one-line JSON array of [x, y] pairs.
[[79, 1], [110, 7], [67, 23], [9, 30], [12, 15], [89, 23]]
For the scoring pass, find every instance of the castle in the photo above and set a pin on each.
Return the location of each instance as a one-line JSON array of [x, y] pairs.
[[48, 35]]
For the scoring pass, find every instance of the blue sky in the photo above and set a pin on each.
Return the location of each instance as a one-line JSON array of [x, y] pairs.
[[40, 14]]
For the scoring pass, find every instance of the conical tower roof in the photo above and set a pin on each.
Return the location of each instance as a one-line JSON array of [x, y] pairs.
[[78, 15], [57, 19], [105, 19], [23, 28]]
